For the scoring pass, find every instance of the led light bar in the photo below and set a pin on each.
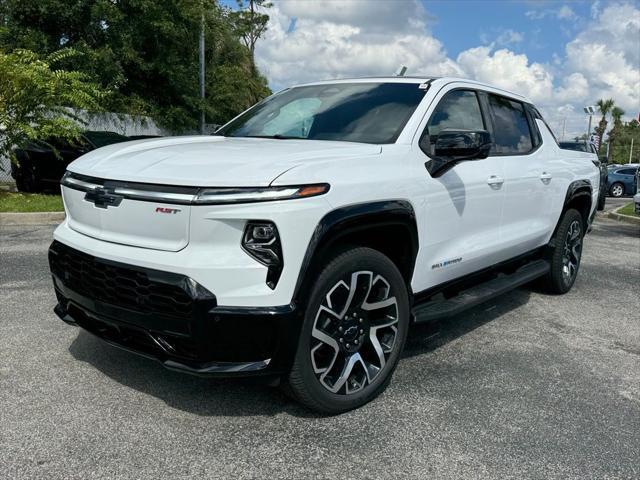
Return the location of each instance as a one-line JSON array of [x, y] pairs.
[[210, 196], [192, 195]]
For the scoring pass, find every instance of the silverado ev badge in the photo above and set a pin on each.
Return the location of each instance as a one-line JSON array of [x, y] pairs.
[[102, 198]]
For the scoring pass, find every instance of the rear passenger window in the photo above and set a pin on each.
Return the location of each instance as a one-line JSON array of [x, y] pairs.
[[511, 128], [458, 110]]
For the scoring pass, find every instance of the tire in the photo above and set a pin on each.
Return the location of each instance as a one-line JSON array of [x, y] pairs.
[[566, 254], [602, 199], [348, 348], [27, 181], [616, 190]]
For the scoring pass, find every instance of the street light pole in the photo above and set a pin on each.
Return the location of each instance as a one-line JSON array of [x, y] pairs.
[[590, 111], [202, 74]]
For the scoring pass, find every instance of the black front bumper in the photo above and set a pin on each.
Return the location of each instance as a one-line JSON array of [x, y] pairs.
[[170, 317]]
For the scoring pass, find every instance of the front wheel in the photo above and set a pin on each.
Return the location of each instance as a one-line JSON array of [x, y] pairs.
[[354, 331]]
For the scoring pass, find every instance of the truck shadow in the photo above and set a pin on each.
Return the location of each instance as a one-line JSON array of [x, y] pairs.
[[243, 397]]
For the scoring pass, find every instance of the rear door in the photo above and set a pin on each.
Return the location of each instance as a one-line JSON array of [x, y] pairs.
[[528, 187], [628, 177]]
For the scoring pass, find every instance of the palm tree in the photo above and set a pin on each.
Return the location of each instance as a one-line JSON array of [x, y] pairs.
[[616, 114], [604, 107]]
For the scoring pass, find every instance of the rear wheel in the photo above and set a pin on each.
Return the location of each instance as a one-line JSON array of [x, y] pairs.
[[27, 180], [616, 190], [354, 330], [566, 253]]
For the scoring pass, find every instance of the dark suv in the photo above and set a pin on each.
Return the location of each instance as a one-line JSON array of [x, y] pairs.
[[41, 164]]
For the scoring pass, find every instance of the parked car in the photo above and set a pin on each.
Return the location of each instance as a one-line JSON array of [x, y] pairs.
[[591, 152], [142, 137], [636, 198], [621, 180], [42, 164], [303, 239]]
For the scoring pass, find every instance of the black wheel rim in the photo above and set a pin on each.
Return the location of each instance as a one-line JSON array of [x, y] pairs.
[[571, 252], [354, 332]]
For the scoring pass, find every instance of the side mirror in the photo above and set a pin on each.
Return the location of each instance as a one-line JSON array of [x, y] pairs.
[[455, 146]]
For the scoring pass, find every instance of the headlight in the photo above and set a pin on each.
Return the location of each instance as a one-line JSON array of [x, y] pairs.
[[262, 242], [214, 196]]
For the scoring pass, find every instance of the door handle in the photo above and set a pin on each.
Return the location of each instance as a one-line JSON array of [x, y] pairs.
[[495, 181], [546, 178]]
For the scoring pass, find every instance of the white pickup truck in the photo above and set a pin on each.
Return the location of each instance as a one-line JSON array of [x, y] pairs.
[[302, 240]]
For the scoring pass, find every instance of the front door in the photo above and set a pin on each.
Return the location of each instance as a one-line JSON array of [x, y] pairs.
[[461, 210]]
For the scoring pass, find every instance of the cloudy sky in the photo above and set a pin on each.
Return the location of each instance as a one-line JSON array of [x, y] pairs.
[[563, 55]]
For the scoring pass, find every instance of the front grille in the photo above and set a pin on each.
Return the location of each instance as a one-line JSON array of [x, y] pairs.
[[119, 285]]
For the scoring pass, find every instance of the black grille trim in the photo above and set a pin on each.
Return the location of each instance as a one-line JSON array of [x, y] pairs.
[[140, 290]]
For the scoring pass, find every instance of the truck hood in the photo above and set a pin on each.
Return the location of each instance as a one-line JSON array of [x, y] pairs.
[[201, 161]]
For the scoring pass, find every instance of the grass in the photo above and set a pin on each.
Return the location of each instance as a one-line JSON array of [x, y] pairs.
[[30, 202], [628, 209]]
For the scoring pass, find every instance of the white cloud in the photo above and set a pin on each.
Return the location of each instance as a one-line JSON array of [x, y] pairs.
[[508, 37], [565, 12], [342, 39], [607, 53], [507, 70]]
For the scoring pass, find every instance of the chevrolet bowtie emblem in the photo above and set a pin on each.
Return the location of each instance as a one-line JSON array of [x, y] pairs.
[[102, 198]]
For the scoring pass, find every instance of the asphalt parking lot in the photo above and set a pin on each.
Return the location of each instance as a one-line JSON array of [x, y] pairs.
[[527, 386]]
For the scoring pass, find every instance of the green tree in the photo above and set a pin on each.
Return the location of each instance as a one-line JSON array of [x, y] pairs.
[[38, 101], [250, 24], [620, 149], [604, 107], [616, 115], [144, 51]]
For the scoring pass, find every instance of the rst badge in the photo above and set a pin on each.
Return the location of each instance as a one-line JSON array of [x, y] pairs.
[[167, 210]]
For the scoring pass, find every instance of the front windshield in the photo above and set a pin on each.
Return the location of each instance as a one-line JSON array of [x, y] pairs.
[[349, 112]]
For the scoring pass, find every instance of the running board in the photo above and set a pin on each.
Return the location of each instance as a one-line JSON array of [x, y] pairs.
[[441, 308]]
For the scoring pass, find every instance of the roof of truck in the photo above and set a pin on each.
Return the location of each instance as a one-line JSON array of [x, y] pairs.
[[420, 79]]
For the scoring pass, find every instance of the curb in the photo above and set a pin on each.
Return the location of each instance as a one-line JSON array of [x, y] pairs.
[[31, 218], [623, 218]]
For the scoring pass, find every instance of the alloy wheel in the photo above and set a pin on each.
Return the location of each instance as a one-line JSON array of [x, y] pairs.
[[617, 191], [571, 252], [354, 332]]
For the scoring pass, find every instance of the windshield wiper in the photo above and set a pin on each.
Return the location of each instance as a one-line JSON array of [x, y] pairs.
[[277, 136]]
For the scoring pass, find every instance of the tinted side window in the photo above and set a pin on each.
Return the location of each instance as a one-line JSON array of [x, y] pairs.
[[537, 137], [511, 128], [457, 110], [538, 116], [627, 171]]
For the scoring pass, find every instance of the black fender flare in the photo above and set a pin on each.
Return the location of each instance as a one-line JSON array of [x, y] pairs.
[[576, 190], [343, 221]]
